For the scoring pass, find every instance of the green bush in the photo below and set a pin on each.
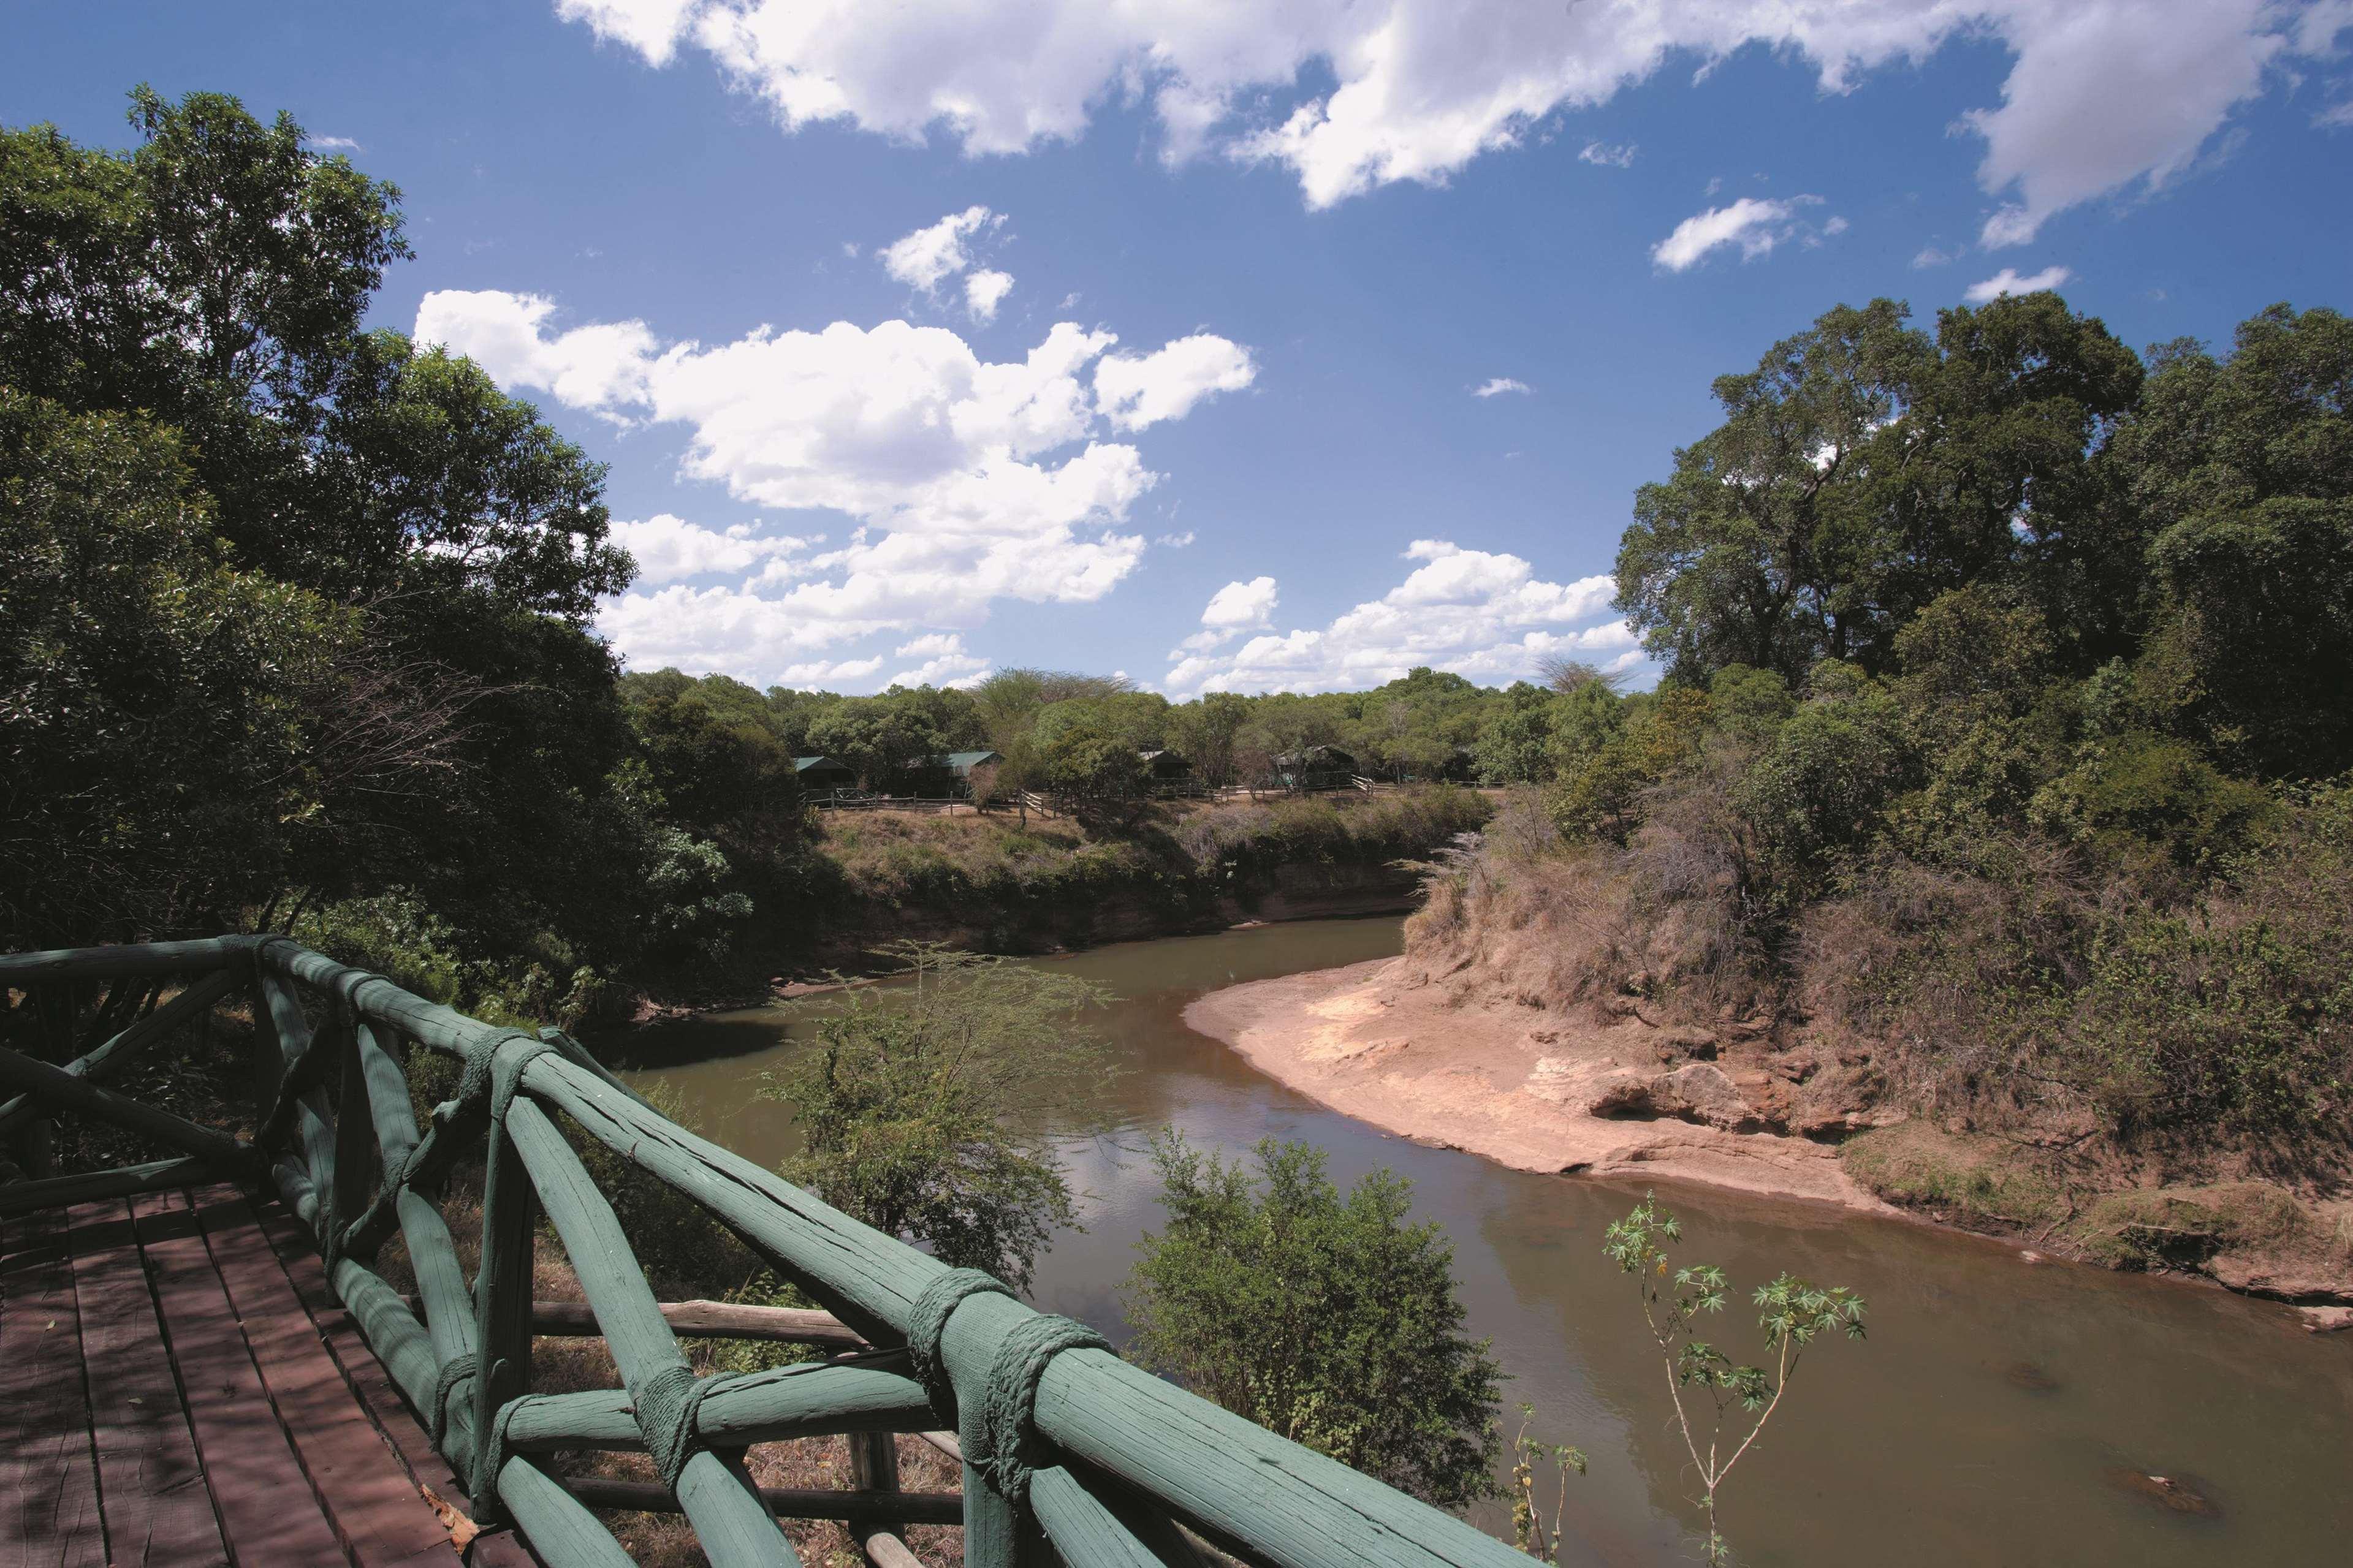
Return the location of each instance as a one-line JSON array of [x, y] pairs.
[[921, 1109], [2142, 796], [1332, 1320], [1823, 786], [393, 934]]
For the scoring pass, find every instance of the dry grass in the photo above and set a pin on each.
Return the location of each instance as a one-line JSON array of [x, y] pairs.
[[1555, 923]]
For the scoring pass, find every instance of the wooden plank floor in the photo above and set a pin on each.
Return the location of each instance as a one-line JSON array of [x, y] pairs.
[[177, 1388]]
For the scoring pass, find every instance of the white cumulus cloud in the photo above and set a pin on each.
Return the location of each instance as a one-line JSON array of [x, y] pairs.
[[965, 480], [2007, 281], [1496, 385], [1483, 614], [649, 27], [929, 255], [1354, 94], [1612, 155], [1752, 224], [945, 662], [984, 291], [1133, 391], [670, 549], [1236, 609]]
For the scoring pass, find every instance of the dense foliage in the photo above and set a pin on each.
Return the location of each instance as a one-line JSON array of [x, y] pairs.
[[289, 587], [1331, 1320], [295, 629]]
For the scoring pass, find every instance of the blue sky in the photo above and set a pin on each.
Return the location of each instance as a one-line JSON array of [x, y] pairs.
[[1260, 259]]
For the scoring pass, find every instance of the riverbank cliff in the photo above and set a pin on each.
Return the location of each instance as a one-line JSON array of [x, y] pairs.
[[1551, 1012]]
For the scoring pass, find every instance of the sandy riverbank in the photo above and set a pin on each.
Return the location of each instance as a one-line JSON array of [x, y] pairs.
[[1506, 1082]]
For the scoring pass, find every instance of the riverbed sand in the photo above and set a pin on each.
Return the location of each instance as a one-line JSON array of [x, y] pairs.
[[1497, 1079]]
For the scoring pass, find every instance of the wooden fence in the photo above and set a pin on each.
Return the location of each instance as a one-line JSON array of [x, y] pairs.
[[1066, 1448]]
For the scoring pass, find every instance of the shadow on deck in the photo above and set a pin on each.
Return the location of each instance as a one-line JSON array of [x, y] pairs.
[[177, 1386]]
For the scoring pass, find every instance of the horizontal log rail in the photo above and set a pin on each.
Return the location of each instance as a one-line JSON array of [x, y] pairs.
[[1064, 1448], [851, 1508], [705, 1321]]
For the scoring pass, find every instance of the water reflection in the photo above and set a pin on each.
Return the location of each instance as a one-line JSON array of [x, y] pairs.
[[1998, 1413]]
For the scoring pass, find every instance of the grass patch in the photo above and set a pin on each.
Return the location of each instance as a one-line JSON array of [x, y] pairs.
[[2183, 1228], [1915, 1166]]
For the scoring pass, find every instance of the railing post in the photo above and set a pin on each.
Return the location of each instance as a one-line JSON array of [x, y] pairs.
[[355, 1151], [33, 1148], [502, 1293], [874, 1467]]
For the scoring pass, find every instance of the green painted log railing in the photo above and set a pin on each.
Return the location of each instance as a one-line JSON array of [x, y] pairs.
[[1067, 1449]]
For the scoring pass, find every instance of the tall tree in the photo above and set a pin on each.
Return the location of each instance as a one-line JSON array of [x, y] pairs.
[[2240, 474], [1863, 470], [157, 705]]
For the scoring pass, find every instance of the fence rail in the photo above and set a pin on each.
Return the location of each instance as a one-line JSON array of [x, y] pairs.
[[1065, 1447]]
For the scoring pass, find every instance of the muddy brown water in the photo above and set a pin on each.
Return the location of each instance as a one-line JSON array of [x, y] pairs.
[[2000, 1412]]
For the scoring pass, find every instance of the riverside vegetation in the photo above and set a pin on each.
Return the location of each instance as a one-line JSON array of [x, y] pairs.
[[1993, 813], [295, 633]]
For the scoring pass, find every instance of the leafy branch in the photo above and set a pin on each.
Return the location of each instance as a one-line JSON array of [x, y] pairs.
[[1740, 1399]]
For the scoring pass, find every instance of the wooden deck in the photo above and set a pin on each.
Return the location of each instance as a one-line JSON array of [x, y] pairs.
[[177, 1387]]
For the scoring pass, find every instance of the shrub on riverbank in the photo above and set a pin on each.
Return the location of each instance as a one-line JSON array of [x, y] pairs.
[[1331, 1320]]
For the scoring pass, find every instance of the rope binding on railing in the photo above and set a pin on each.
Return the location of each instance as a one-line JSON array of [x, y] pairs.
[[998, 1434]]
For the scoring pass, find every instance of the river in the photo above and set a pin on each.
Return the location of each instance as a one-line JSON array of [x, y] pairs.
[[1995, 1415]]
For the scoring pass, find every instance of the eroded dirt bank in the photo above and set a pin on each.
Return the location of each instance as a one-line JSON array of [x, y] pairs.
[[1520, 1085], [1543, 1090]]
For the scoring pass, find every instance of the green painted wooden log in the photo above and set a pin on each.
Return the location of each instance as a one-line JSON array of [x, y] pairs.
[[995, 1533], [387, 1098], [809, 1401], [1229, 1478], [1105, 1525], [732, 1526], [429, 1023], [355, 1129], [21, 969], [59, 1089], [555, 1524], [278, 1020], [868, 1279], [787, 1502], [91, 1186], [432, 1251], [124, 1047], [502, 1280]]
